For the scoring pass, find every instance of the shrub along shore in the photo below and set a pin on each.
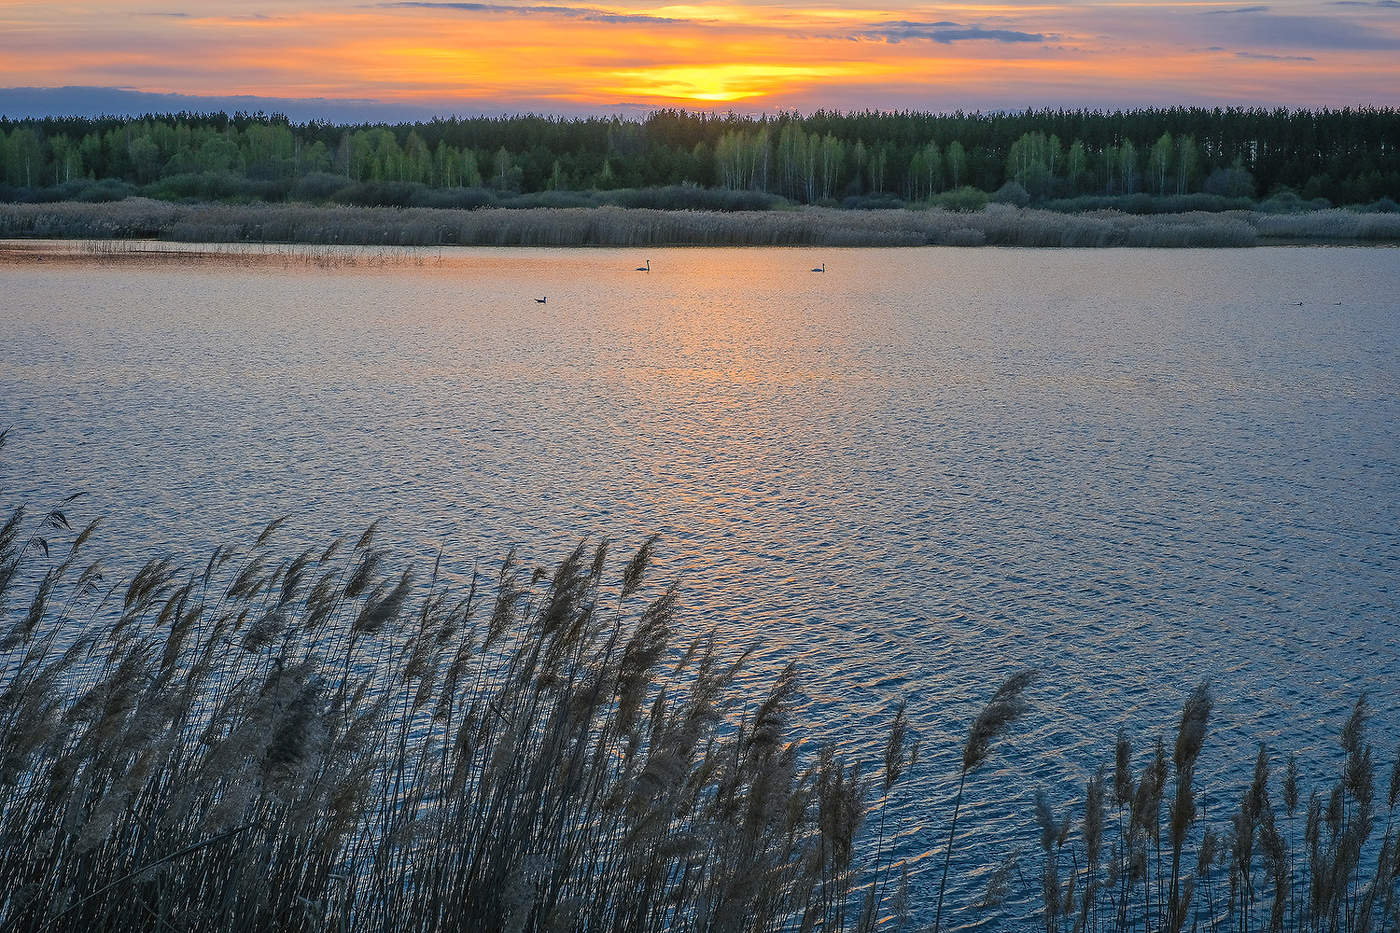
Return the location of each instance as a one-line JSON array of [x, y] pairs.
[[992, 225], [309, 739]]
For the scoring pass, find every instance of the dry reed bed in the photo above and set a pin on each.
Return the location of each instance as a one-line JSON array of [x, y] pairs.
[[312, 741], [146, 252], [1002, 225], [1333, 225]]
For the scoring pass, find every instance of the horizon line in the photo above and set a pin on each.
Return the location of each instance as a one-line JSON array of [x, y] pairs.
[[276, 109]]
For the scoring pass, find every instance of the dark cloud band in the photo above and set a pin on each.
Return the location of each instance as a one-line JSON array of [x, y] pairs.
[[944, 32], [587, 14]]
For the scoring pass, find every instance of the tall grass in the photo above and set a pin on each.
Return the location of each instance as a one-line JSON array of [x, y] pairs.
[[1168, 869], [314, 741], [997, 224]]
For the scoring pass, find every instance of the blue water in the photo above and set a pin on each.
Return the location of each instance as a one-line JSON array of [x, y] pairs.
[[914, 474]]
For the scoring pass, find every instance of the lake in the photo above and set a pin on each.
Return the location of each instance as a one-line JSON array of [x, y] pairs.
[[913, 474]]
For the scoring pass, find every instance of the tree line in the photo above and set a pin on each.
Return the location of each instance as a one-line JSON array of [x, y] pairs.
[[1346, 156]]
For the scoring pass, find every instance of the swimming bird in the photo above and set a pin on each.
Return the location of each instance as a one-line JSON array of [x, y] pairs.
[[822, 269], [540, 301], [645, 268]]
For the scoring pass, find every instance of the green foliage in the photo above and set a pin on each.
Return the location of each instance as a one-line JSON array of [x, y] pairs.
[[216, 186], [1034, 163], [1288, 202], [926, 173], [1149, 204], [957, 164], [23, 153], [317, 187], [965, 199], [1233, 182], [1011, 193], [1345, 156]]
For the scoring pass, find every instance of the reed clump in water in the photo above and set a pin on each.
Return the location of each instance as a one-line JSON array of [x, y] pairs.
[[1249, 872]]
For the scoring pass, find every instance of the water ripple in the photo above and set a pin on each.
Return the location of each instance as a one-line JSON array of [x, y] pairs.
[[914, 475]]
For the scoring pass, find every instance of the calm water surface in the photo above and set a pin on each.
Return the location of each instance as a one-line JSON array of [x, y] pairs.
[[914, 474]]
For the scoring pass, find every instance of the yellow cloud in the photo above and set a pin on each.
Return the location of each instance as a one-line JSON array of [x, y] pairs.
[[719, 83], [762, 54]]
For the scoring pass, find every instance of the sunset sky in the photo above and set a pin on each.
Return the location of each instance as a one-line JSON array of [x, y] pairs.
[[578, 57]]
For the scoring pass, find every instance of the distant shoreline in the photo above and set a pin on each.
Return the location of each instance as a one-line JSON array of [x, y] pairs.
[[995, 225]]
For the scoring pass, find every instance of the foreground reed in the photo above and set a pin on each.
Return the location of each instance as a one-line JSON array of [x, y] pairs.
[[1168, 870], [311, 741]]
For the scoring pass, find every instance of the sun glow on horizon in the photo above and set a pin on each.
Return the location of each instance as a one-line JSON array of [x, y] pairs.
[[880, 54], [717, 83]]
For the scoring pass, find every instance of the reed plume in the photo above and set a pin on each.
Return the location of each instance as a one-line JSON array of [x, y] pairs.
[[1002, 710]]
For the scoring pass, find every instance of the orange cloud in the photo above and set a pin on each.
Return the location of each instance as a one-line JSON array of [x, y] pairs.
[[874, 54]]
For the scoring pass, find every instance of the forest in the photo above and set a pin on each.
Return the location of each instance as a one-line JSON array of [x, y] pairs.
[[1146, 161]]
